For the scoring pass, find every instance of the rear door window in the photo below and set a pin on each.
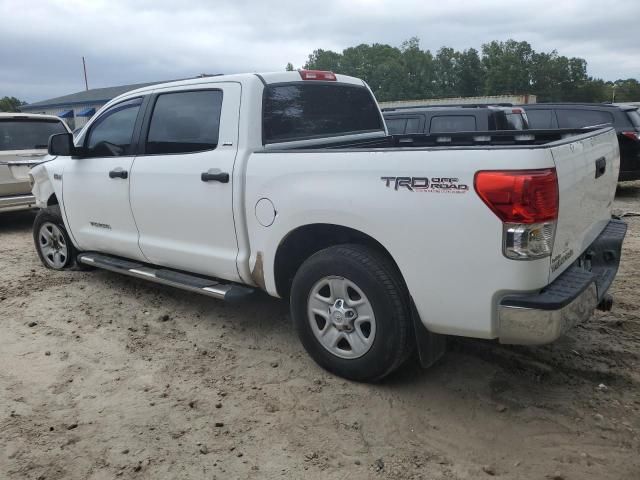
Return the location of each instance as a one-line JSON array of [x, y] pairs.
[[578, 118], [452, 123], [301, 111], [400, 125], [396, 126], [185, 122], [413, 125], [542, 119]]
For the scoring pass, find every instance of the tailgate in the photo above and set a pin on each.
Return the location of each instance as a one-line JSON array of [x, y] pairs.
[[587, 169], [14, 170]]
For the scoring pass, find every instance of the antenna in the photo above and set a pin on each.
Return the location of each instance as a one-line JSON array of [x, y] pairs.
[[84, 67]]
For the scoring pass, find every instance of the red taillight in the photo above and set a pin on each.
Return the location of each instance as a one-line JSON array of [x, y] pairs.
[[317, 75], [517, 110], [632, 135], [520, 196]]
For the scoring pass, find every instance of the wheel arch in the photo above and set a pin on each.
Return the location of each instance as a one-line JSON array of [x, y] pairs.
[[305, 240]]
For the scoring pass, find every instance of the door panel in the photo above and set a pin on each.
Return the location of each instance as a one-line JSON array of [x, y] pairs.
[[96, 200], [97, 206], [184, 221]]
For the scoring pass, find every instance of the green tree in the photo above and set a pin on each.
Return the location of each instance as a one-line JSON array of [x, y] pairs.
[[508, 66], [625, 90], [417, 69], [445, 68], [470, 74], [289, 67], [10, 104], [324, 60]]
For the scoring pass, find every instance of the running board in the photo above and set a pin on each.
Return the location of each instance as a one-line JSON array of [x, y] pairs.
[[207, 286]]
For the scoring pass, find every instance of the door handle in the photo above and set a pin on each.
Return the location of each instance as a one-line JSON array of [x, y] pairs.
[[214, 175], [601, 166], [118, 173]]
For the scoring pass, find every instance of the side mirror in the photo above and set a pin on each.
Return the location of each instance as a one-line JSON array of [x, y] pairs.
[[61, 144]]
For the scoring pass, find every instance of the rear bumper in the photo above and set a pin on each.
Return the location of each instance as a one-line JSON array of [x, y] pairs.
[[531, 319], [17, 202]]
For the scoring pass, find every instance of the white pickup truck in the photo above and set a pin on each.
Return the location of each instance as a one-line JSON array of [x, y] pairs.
[[288, 182]]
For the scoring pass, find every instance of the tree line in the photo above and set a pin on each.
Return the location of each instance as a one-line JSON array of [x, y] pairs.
[[510, 67], [10, 104]]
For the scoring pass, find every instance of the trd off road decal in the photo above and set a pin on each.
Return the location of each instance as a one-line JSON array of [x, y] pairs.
[[426, 184]]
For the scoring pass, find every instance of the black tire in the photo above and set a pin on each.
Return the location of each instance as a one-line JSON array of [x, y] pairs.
[[378, 278], [52, 215]]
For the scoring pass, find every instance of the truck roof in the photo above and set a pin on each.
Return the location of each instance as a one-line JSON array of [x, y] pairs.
[[579, 105], [265, 78]]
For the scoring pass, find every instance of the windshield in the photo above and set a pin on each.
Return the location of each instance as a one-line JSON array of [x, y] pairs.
[[28, 134]]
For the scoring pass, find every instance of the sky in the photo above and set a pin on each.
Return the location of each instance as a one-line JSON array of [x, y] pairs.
[[131, 41]]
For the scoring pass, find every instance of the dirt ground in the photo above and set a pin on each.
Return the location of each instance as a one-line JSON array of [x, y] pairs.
[[103, 376]]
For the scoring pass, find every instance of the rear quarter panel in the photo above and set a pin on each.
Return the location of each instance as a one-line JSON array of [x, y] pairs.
[[448, 246]]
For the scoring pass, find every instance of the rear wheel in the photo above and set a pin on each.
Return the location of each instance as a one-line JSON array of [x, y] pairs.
[[52, 241], [351, 311]]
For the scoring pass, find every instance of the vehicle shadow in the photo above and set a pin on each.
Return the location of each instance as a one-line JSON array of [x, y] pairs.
[[11, 222], [516, 377], [628, 190]]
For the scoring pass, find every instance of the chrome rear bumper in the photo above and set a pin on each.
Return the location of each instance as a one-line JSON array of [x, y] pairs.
[[538, 318], [18, 202]]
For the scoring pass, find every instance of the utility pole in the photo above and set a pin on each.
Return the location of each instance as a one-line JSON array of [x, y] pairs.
[[613, 95], [84, 67]]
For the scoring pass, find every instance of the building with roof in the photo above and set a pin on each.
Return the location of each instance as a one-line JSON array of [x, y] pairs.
[[76, 109], [488, 100]]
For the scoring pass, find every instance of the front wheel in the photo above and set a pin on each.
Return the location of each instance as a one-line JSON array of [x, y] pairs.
[[351, 311], [51, 239]]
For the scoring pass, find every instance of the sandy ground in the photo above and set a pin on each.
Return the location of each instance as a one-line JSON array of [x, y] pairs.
[[103, 376]]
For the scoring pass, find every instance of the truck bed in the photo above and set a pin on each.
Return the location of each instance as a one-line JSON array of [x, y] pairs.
[[418, 200]]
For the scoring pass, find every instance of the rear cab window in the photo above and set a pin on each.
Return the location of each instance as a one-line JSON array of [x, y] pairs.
[[306, 110], [28, 133]]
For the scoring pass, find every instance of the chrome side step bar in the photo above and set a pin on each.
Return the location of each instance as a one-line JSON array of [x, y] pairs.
[[211, 287]]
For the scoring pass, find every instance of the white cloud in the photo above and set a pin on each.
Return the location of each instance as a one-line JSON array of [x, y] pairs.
[[41, 42]]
